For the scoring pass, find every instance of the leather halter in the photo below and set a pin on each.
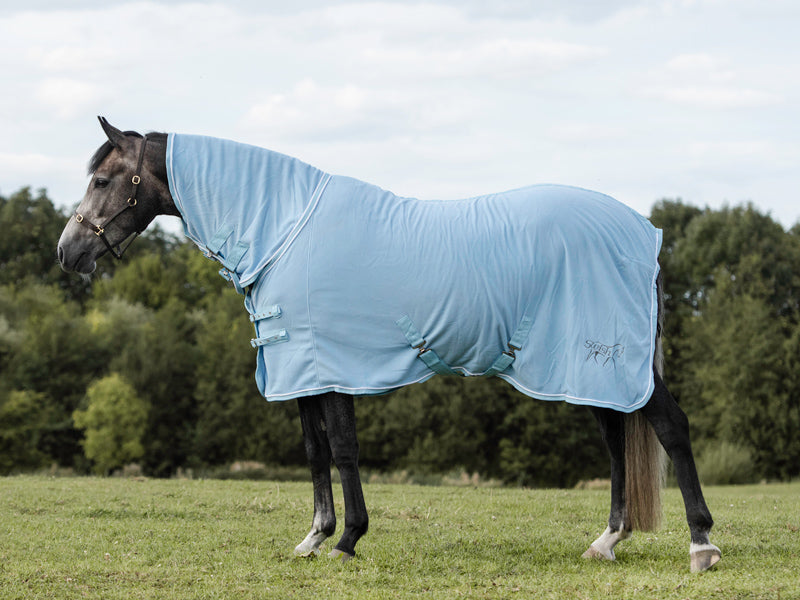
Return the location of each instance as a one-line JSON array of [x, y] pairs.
[[99, 230]]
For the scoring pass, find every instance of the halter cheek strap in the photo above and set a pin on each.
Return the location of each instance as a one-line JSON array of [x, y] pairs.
[[99, 230]]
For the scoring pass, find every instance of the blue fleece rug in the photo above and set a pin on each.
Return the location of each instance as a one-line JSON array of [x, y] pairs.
[[354, 289]]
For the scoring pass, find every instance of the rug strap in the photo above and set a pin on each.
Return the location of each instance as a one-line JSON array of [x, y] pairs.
[[233, 256], [277, 337], [233, 278], [436, 364], [271, 312], [220, 237], [508, 356], [426, 355]]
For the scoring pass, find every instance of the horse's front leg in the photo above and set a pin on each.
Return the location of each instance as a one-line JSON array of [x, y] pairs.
[[672, 428], [312, 417], [341, 421], [612, 428]]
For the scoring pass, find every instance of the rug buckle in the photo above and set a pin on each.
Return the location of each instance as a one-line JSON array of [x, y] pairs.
[[512, 350]]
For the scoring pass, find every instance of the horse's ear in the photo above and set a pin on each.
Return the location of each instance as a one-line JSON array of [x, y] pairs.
[[115, 136]]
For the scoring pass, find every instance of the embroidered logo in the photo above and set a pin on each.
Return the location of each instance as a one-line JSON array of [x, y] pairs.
[[603, 354]]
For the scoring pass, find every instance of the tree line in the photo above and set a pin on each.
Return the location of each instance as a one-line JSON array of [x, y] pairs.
[[149, 361]]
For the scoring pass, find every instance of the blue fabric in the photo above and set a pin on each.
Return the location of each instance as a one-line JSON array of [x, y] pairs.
[[334, 269]]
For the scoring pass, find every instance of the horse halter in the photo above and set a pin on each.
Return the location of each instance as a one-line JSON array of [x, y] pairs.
[[100, 230]]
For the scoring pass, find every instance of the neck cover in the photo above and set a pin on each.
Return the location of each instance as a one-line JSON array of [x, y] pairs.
[[354, 289]]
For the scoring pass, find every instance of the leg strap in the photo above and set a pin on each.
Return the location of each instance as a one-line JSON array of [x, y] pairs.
[[436, 364], [507, 357], [426, 355]]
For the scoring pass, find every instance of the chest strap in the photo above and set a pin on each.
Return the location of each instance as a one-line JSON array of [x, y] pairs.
[[436, 364], [231, 258]]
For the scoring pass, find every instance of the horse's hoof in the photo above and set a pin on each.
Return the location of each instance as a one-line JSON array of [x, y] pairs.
[[704, 557], [593, 552], [309, 547], [603, 547], [343, 556]]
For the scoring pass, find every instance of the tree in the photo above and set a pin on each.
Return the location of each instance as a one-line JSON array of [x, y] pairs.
[[46, 348], [751, 247], [31, 227], [21, 420], [740, 363], [153, 279], [161, 365], [551, 444], [234, 422], [114, 421], [732, 278]]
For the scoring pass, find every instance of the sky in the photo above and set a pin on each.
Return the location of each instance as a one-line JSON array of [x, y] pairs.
[[641, 100]]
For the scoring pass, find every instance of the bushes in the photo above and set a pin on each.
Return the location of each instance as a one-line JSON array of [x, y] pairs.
[[725, 463], [114, 421]]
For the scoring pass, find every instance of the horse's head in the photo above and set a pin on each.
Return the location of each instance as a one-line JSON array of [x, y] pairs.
[[127, 190]]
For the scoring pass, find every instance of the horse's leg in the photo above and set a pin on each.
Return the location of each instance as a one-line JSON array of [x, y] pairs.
[[672, 428], [612, 428], [341, 421], [312, 417]]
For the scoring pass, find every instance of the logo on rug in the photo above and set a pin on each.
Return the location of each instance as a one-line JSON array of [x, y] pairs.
[[603, 354]]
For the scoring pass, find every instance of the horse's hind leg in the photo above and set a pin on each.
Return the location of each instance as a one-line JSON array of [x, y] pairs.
[[612, 428], [312, 417], [341, 421], [672, 428]]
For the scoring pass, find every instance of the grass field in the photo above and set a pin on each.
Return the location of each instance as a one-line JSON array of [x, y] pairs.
[[124, 538]]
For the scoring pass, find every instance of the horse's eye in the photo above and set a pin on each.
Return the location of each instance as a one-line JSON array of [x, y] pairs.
[[100, 182]]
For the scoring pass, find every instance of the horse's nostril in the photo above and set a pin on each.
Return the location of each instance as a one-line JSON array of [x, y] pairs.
[[61, 255]]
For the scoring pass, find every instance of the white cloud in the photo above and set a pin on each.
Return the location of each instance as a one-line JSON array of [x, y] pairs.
[[28, 163], [716, 97], [707, 81], [583, 132], [314, 111], [70, 59], [37, 170], [755, 156], [493, 58], [67, 97], [702, 67]]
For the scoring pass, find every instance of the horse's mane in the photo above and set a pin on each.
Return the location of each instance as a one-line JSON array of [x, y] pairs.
[[106, 148]]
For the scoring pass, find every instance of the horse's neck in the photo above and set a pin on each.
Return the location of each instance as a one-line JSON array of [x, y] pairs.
[[157, 165]]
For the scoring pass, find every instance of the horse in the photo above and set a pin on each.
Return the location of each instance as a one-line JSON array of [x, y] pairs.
[[299, 249]]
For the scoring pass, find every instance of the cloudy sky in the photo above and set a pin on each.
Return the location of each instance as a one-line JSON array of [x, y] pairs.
[[642, 100]]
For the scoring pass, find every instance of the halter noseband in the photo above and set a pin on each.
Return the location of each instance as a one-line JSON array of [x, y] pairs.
[[100, 230]]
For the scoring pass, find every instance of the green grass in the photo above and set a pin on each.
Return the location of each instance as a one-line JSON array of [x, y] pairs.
[[123, 538]]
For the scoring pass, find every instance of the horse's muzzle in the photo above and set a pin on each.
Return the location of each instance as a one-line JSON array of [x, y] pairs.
[[75, 259]]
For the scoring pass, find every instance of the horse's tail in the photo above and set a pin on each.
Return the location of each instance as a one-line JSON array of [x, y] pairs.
[[645, 459]]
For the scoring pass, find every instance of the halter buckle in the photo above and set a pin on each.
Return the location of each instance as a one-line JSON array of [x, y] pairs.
[[99, 231], [79, 217]]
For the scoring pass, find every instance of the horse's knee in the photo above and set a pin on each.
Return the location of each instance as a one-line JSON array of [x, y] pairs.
[[318, 454], [345, 454]]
